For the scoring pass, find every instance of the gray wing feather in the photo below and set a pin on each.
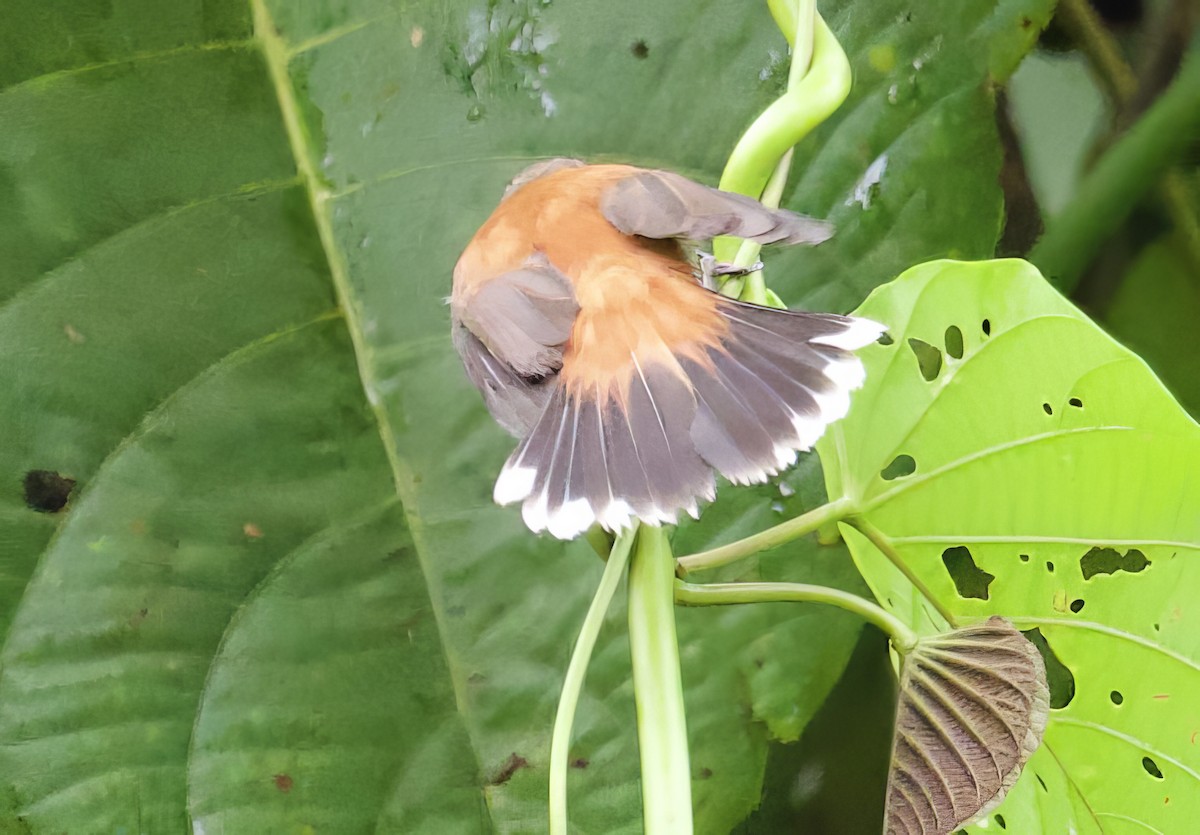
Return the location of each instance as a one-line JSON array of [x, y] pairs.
[[660, 204], [515, 402], [524, 317]]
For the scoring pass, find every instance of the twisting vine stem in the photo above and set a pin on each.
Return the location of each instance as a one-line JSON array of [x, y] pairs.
[[818, 83]]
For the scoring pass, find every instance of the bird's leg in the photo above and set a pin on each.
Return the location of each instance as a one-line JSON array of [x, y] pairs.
[[710, 268]]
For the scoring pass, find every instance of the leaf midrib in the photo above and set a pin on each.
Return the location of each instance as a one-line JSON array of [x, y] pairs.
[[277, 56]]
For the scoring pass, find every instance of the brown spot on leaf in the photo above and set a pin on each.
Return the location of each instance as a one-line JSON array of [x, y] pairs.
[[705, 773], [512, 765], [580, 763], [283, 782], [75, 337], [252, 530], [417, 36]]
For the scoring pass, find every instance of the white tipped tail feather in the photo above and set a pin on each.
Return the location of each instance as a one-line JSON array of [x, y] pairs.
[[766, 392]]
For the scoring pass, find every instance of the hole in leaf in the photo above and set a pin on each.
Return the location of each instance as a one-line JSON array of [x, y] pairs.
[[969, 579], [1050, 566], [901, 466], [954, 342], [885, 338], [1116, 697], [1046, 408], [929, 359], [1000, 822], [1076, 402], [1108, 561], [1024, 558], [640, 49], [1152, 768], [46, 491], [1157, 627], [1077, 605], [987, 327], [1058, 676], [1042, 783]]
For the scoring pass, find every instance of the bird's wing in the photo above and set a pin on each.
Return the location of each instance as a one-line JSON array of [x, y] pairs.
[[514, 401], [523, 317], [660, 204]]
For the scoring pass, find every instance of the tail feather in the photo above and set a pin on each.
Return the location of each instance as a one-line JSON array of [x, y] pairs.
[[767, 391]]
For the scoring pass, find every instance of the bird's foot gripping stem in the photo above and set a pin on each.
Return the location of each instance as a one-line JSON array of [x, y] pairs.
[[710, 269]]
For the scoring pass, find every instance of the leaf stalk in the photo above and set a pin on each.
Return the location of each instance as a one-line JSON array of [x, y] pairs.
[[724, 594], [773, 537]]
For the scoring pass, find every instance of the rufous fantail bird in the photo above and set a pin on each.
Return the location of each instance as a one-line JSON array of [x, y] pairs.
[[582, 318]]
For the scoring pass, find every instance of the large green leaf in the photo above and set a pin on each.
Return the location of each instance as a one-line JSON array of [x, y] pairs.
[[279, 595], [1052, 481]]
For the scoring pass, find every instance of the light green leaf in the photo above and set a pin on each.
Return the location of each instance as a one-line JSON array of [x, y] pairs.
[[1054, 484]]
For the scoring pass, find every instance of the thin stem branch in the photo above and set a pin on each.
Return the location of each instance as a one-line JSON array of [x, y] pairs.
[[564, 719], [719, 594], [880, 540], [804, 38], [1120, 178], [770, 538], [658, 687]]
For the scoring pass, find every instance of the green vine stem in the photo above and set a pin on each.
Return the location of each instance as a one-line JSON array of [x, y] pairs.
[[720, 594], [1120, 178], [658, 687], [564, 719], [772, 537], [809, 101]]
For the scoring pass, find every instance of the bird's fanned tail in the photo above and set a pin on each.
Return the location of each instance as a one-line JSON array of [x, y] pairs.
[[646, 450]]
